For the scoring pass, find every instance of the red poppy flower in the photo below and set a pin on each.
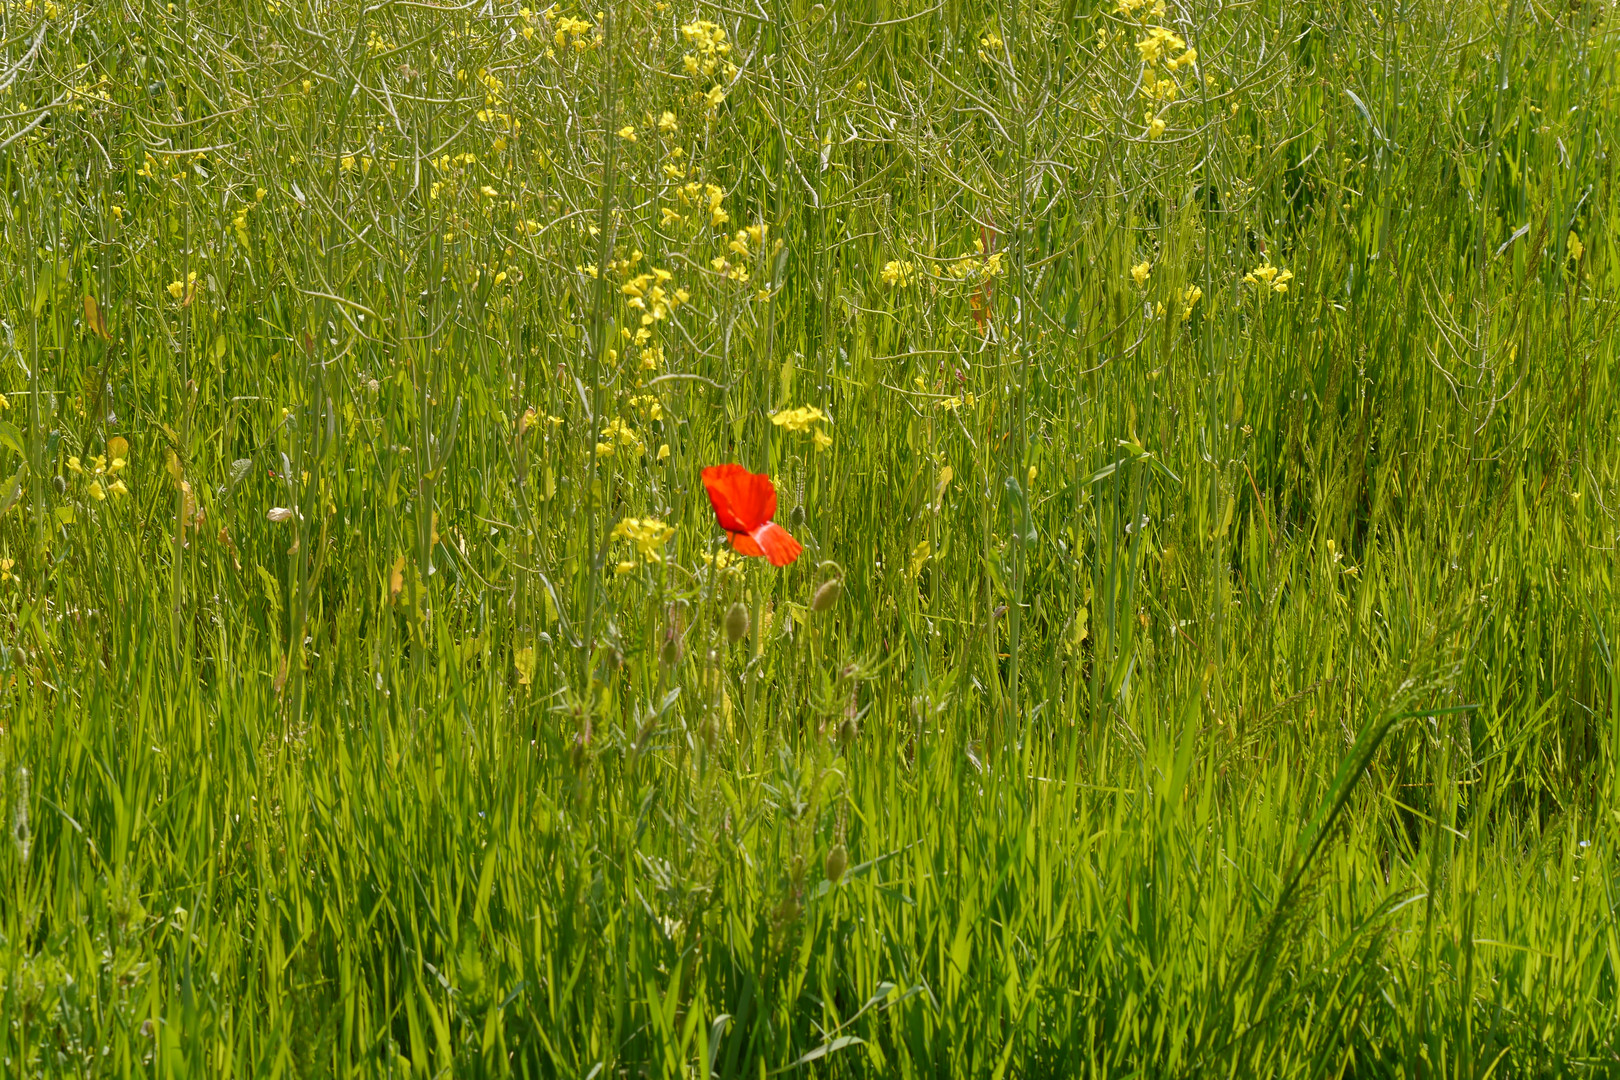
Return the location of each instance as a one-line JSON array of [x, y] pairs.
[[744, 504]]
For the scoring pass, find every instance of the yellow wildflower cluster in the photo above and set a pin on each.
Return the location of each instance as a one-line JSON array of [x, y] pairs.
[[1129, 8], [754, 234], [803, 420], [951, 404], [572, 31], [977, 269], [647, 535], [710, 54], [1269, 277], [648, 295], [618, 435], [991, 41], [705, 196], [239, 223], [898, 272], [710, 49], [648, 407], [185, 291], [1190, 296], [1161, 47], [1141, 272], [101, 478]]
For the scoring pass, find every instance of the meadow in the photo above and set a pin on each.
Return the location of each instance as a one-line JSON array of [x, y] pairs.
[[1200, 420]]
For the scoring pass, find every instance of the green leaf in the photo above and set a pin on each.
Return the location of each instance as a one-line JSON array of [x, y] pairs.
[[13, 488], [824, 1049], [10, 436]]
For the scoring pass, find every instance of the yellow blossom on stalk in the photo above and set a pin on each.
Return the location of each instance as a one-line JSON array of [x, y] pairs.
[[1160, 41], [1269, 276], [4, 402], [347, 164], [666, 121], [1189, 296], [647, 534], [184, 290], [5, 570], [1141, 271], [821, 439], [628, 133], [951, 404], [897, 272], [1155, 127], [800, 419], [618, 434]]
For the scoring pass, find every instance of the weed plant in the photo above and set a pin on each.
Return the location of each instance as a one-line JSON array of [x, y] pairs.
[[1200, 421]]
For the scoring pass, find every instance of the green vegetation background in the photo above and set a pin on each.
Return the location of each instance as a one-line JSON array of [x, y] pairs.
[[1221, 492]]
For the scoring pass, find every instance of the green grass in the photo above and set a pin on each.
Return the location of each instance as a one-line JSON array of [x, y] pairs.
[[1217, 687]]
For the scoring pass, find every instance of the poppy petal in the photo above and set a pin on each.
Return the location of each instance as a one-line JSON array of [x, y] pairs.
[[745, 544], [776, 544], [742, 501], [718, 481]]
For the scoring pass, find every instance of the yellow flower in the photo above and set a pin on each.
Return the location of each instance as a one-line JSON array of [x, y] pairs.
[[666, 122], [821, 439], [628, 133], [1575, 247], [4, 404], [1141, 271], [95, 492], [347, 164], [1155, 128], [1269, 276], [897, 272], [647, 534], [799, 419], [74, 466], [117, 488], [1189, 296], [184, 289], [5, 570]]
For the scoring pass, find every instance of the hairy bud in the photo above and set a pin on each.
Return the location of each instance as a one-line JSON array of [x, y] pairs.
[[837, 863], [827, 595], [736, 622]]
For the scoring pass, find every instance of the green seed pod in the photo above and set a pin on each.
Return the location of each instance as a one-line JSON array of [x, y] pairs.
[[827, 595], [736, 622], [670, 654], [837, 863]]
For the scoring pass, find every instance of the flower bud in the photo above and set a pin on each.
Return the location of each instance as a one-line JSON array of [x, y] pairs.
[[837, 863], [736, 622], [670, 654], [847, 731], [827, 595]]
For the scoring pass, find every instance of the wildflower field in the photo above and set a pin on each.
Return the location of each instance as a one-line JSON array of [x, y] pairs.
[[1180, 643]]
